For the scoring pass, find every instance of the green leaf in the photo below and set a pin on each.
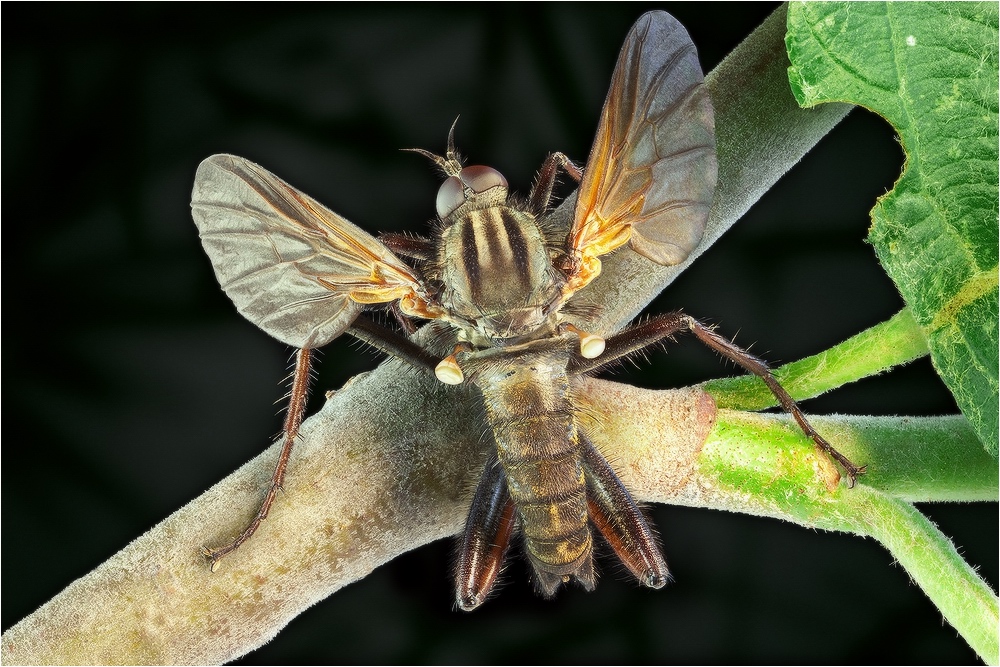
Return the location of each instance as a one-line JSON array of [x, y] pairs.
[[931, 70]]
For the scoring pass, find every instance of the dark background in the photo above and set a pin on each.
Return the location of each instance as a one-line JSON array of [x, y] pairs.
[[133, 385]]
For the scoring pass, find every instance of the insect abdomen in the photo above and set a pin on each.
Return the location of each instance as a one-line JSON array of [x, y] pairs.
[[528, 408]]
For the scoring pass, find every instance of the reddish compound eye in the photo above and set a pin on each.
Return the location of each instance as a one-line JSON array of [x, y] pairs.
[[480, 179], [477, 178], [450, 196]]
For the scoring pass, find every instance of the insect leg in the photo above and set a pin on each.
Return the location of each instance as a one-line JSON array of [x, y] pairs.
[[392, 343], [541, 191], [402, 319], [293, 419], [488, 528], [630, 341], [619, 520], [663, 326], [413, 247], [446, 370]]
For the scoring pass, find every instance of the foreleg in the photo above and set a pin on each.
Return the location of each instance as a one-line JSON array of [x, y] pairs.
[[541, 192]]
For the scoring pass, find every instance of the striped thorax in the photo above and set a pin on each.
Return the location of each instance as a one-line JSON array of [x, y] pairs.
[[499, 285], [497, 274]]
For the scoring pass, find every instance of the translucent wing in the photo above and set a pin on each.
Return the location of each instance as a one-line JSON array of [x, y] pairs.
[[652, 171], [292, 267]]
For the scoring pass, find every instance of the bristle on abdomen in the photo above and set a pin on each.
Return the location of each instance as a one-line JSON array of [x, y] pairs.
[[529, 412]]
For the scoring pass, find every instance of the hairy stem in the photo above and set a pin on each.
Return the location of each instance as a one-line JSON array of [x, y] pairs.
[[934, 563], [352, 503], [919, 459], [894, 342]]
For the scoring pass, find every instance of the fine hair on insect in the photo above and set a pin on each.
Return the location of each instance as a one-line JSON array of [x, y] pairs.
[[492, 290]]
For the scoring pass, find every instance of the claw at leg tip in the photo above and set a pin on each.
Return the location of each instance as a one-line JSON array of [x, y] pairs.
[[213, 557], [469, 602]]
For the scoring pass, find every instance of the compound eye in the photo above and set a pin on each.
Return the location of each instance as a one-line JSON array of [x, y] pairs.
[[450, 196], [480, 179]]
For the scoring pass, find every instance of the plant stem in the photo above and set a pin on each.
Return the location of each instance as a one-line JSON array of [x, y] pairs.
[[782, 474], [930, 558], [896, 341], [920, 459]]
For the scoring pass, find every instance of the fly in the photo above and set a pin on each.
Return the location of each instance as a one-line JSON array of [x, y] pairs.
[[495, 280]]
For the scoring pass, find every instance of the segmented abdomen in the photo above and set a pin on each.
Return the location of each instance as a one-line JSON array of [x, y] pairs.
[[528, 408]]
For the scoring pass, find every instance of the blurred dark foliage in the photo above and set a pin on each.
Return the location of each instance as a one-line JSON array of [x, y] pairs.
[[133, 385]]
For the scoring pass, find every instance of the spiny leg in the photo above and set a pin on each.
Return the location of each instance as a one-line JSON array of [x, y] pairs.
[[293, 419], [405, 322], [760, 368], [392, 343], [541, 191], [414, 247], [619, 520], [364, 329], [663, 326], [488, 529], [446, 370]]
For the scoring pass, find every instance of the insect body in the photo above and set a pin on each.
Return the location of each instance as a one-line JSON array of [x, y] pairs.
[[496, 282], [498, 276]]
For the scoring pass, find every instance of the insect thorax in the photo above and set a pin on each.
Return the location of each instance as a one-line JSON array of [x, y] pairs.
[[498, 275]]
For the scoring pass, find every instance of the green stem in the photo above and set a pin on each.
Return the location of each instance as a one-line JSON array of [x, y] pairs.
[[918, 459], [930, 558], [896, 341], [763, 464]]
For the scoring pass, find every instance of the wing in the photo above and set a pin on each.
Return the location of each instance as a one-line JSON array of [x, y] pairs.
[[292, 267], [651, 173]]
